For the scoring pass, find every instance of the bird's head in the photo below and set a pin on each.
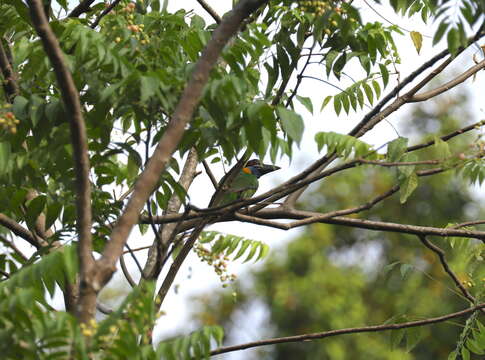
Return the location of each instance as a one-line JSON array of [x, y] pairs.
[[257, 168]]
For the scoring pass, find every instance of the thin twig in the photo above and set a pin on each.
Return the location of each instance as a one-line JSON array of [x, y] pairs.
[[325, 334], [449, 85], [441, 255], [104, 13], [103, 308], [468, 223], [135, 259], [12, 246], [210, 174], [210, 11], [137, 249], [126, 272], [448, 136]]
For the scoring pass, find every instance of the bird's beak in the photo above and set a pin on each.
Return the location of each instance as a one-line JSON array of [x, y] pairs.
[[265, 168]]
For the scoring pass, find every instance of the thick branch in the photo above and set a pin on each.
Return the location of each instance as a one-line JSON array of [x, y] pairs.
[[148, 179], [72, 105], [20, 231], [325, 334], [84, 6], [158, 250], [10, 84]]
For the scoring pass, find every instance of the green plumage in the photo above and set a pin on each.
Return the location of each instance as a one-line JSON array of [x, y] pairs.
[[243, 187]]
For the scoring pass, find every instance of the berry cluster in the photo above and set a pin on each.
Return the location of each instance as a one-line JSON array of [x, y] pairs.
[[89, 329], [9, 122], [314, 6], [137, 30], [218, 262]]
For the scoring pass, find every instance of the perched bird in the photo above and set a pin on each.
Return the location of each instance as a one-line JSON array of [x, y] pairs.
[[244, 184]]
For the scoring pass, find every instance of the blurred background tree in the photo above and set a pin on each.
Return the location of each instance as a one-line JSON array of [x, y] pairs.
[[333, 277]]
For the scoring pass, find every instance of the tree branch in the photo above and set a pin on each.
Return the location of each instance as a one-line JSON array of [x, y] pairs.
[[72, 104], [83, 6], [126, 272], [210, 11], [104, 13], [365, 329], [314, 217], [177, 263], [158, 250], [210, 174], [449, 85], [10, 85], [20, 231], [447, 137], [441, 255], [12, 246]]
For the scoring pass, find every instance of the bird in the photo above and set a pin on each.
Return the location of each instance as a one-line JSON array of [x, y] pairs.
[[243, 185]]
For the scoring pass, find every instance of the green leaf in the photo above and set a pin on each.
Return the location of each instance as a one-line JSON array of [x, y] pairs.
[[413, 337], [337, 104], [465, 354], [325, 102], [396, 149], [339, 65], [368, 92], [385, 74], [417, 40], [442, 148], [34, 208], [377, 88], [22, 10], [291, 122], [5, 151], [20, 107], [408, 185], [453, 38], [405, 269], [396, 338], [148, 87], [474, 347], [53, 212], [306, 102], [345, 102], [443, 26]]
